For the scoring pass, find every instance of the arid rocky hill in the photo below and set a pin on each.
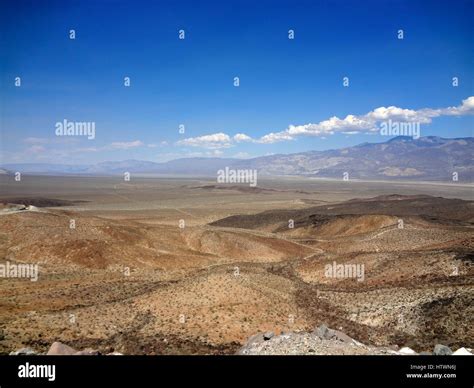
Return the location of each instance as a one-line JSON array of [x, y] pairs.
[[142, 286]]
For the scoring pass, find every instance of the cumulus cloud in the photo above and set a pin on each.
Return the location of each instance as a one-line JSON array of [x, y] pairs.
[[242, 137], [275, 137], [466, 108], [214, 141], [368, 123]]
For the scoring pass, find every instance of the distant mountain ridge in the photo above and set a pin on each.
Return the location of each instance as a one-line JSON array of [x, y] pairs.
[[427, 158]]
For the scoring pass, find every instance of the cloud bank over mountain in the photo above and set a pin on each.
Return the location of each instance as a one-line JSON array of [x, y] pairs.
[[351, 124]]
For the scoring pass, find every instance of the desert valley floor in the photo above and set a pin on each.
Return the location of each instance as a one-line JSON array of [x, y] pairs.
[[186, 266]]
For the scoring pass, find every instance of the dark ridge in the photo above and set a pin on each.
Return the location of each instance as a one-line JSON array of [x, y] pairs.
[[245, 188], [435, 209], [40, 201]]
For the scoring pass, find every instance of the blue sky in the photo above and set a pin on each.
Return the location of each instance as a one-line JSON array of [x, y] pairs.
[[283, 82]]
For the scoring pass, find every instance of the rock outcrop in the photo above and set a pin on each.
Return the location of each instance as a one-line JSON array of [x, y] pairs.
[[326, 341], [60, 349]]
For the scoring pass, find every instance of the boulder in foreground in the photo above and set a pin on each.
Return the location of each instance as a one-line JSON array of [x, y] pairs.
[[60, 349]]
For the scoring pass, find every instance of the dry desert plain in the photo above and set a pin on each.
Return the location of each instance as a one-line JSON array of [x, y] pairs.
[[187, 266]]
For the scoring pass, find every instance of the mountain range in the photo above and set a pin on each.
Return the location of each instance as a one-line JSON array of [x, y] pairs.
[[426, 158]]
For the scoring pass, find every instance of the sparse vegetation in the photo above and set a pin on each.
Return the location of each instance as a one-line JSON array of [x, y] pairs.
[[182, 294]]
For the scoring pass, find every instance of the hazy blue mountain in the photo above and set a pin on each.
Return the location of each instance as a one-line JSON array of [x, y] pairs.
[[426, 158], [431, 158]]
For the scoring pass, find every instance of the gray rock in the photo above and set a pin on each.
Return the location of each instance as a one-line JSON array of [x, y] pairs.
[[251, 342], [426, 354], [23, 352], [60, 349], [322, 332], [326, 333], [268, 335], [339, 336], [442, 350]]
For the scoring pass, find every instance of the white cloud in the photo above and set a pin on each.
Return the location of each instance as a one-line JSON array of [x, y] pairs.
[[240, 137], [350, 125], [275, 137], [466, 108], [399, 114], [124, 145], [214, 141], [369, 122]]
